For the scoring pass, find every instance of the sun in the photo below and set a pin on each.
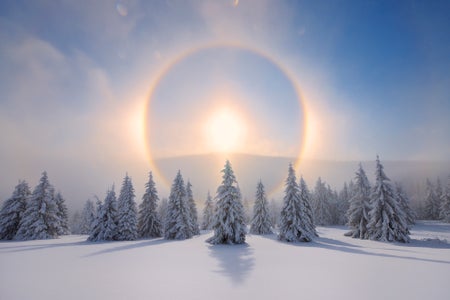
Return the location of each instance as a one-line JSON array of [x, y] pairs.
[[225, 131]]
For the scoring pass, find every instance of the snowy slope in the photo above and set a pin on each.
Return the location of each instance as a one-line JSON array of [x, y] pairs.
[[332, 267]]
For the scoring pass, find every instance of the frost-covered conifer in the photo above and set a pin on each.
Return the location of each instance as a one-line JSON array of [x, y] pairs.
[[403, 201], [13, 211], [342, 204], [229, 223], [105, 225], [88, 216], [62, 214], [126, 212], [358, 212], [193, 215], [261, 218], [208, 213], [75, 223], [432, 203], [274, 211], [149, 223], [445, 203], [177, 224], [162, 213], [40, 220], [296, 222], [321, 204], [387, 221]]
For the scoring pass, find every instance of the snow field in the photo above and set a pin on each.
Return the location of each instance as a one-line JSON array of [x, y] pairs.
[[331, 267]]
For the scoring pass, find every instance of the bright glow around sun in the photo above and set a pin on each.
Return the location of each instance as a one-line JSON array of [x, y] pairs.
[[225, 131]]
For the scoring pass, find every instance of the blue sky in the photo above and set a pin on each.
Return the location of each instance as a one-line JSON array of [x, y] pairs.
[[75, 76]]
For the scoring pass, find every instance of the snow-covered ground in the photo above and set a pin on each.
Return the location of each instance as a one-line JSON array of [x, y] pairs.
[[331, 267]]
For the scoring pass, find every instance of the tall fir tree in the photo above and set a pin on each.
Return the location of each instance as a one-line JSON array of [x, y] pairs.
[[177, 223], [261, 223], [193, 215], [13, 211], [387, 221], [296, 221], [62, 214], [40, 219], [358, 212], [321, 204], [445, 203], [229, 220], [208, 213], [126, 212], [403, 201], [105, 225], [88, 216], [149, 223], [432, 203]]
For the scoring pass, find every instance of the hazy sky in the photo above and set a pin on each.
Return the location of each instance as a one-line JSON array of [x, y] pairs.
[[335, 80]]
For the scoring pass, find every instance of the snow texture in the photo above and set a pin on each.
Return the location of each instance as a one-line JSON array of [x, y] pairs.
[[229, 221]]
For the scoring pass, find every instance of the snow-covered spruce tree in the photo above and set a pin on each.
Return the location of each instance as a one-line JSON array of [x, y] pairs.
[[274, 211], [208, 213], [193, 215], [40, 220], [358, 212], [432, 203], [149, 223], [343, 204], [88, 216], [105, 225], [162, 213], [445, 203], [13, 211], [97, 224], [296, 221], [127, 229], [387, 221], [261, 218], [62, 214], [75, 223], [229, 224], [321, 204], [177, 224], [403, 201]]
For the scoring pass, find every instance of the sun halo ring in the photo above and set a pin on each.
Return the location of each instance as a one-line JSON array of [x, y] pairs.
[[194, 50]]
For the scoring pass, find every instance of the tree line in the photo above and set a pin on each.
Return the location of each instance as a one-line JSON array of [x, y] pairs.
[[378, 212]]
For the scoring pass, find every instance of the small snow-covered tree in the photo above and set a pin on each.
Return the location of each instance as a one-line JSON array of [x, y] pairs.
[[193, 215], [162, 213], [321, 204], [13, 211], [229, 220], [126, 212], [177, 223], [62, 215], [105, 225], [75, 223], [403, 201], [445, 203], [274, 211], [358, 212], [387, 221], [343, 204], [149, 223], [432, 202], [296, 222], [261, 218], [88, 216], [40, 220], [208, 213]]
